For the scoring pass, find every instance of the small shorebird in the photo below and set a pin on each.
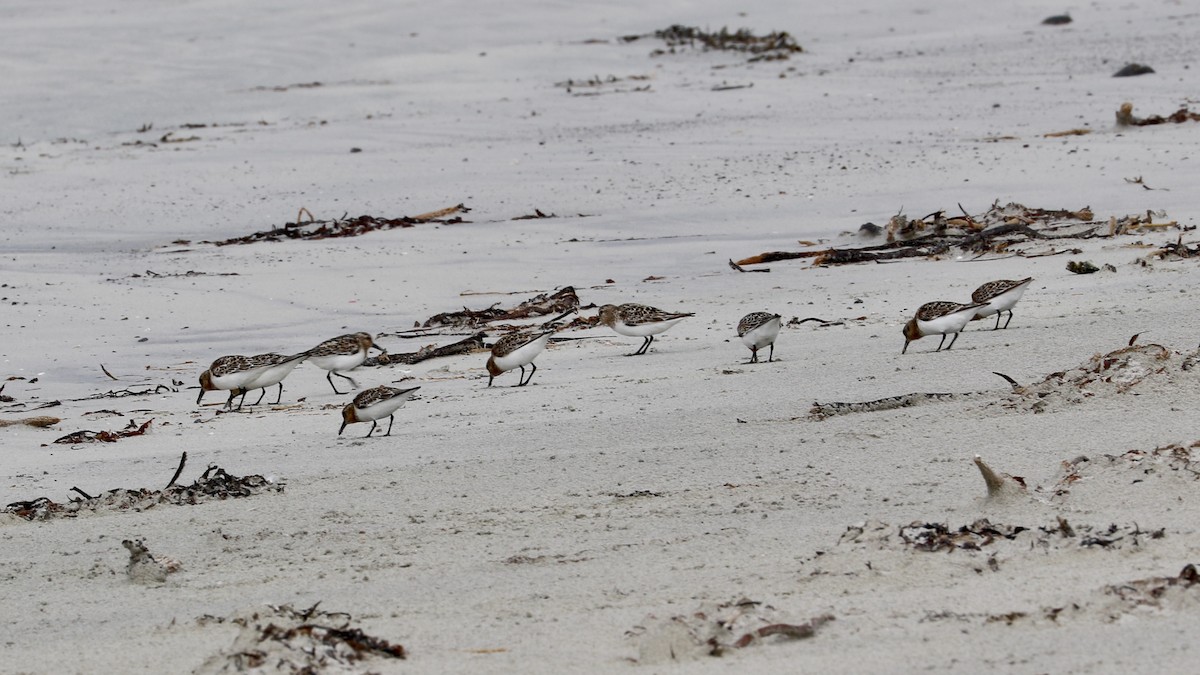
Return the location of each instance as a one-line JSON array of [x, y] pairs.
[[998, 297], [516, 350], [375, 404], [342, 353], [239, 374], [277, 368], [757, 330], [938, 318], [642, 321]]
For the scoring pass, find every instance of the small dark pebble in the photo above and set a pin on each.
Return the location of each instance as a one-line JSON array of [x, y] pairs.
[[1057, 20], [354, 150], [870, 230], [1132, 70]]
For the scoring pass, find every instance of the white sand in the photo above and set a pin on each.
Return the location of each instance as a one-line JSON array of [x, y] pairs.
[[506, 530]]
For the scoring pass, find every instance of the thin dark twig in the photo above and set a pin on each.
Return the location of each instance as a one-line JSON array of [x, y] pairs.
[[110, 375], [82, 493], [182, 461]]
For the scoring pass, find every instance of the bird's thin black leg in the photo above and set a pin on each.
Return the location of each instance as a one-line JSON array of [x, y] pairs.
[[1009, 319], [391, 421], [952, 341], [997, 320], [260, 396], [280, 396], [374, 423], [941, 343], [329, 376], [771, 355]]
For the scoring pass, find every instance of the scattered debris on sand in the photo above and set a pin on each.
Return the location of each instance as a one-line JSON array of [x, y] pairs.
[[596, 85], [35, 421], [1125, 117], [1012, 228], [563, 300], [1155, 591], [131, 429], [281, 639], [774, 46], [1133, 70], [1082, 267], [345, 227], [984, 534], [1176, 250], [1111, 374], [215, 484], [716, 631], [467, 345], [146, 568]]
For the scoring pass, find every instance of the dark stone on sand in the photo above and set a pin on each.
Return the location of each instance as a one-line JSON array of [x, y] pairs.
[[870, 230], [1132, 70], [1057, 20]]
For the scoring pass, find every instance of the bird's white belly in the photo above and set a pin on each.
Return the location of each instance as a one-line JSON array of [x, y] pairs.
[[272, 375], [237, 380], [950, 323], [762, 336], [523, 356], [645, 329], [381, 409], [339, 362]]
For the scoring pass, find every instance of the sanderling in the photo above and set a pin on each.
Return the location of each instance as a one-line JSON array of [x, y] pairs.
[[641, 321], [998, 297], [342, 353], [516, 350], [276, 368], [232, 373], [757, 330], [938, 318], [375, 404]]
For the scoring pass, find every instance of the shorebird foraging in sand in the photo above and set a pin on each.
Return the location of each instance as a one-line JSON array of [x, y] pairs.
[[273, 368], [342, 353], [938, 318], [375, 404], [635, 320], [240, 374], [757, 330], [998, 297], [516, 350]]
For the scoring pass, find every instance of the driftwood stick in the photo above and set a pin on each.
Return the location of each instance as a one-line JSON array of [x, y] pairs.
[[110, 375], [82, 493], [179, 470]]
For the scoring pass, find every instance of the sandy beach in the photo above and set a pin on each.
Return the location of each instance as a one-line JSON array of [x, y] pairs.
[[619, 514]]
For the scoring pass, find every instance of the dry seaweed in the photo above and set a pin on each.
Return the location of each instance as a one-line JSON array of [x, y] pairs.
[[1001, 229], [1151, 591], [215, 484], [563, 300], [282, 639], [1126, 118], [939, 537], [345, 227], [132, 429], [716, 630], [123, 393], [464, 346], [774, 46]]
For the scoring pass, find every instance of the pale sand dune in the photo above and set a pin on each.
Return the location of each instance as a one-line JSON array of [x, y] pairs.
[[552, 528]]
